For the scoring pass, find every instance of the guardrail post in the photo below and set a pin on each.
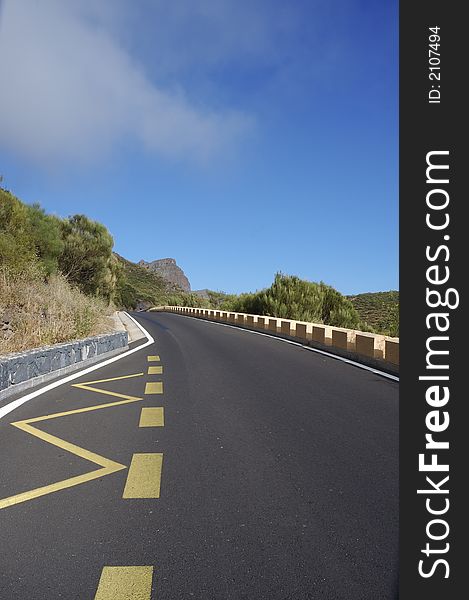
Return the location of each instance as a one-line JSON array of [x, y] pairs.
[[260, 323], [365, 344], [301, 331], [391, 351], [319, 334], [273, 325], [339, 338]]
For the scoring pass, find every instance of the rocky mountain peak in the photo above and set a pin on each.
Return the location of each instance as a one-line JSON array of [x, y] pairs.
[[169, 270]]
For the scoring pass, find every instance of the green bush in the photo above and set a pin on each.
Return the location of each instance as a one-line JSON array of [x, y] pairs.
[[46, 235], [221, 300], [86, 259], [290, 297], [77, 247], [17, 247]]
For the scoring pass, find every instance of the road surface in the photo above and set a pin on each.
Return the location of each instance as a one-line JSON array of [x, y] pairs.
[[213, 464]]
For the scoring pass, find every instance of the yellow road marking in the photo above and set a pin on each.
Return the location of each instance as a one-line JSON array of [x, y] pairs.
[[128, 400], [144, 476], [155, 370], [108, 466], [152, 417], [155, 358], [125, 583], [86, 385], [154, 387], [110, 379]]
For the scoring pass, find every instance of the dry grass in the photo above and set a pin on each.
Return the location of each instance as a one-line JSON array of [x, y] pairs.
[[43, 313]]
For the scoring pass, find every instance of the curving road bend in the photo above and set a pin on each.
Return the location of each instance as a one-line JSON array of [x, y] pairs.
[[279, 479]]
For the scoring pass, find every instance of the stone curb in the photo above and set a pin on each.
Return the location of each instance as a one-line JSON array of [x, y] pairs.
[[22, 370]]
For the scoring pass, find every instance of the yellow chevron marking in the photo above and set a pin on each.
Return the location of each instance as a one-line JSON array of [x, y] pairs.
[[107, 466], [86, 385]]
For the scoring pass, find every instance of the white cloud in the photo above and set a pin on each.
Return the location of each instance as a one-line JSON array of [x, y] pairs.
[[71, 91]]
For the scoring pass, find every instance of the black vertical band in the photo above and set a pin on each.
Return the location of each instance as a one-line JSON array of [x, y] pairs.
[[434, 263]]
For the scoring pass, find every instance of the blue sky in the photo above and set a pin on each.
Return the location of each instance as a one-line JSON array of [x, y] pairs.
[[240, 137]]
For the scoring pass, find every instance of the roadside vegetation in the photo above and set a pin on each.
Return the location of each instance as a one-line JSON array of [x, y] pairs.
[[36, 310], [60, 279], [56, 276], [290, 297]]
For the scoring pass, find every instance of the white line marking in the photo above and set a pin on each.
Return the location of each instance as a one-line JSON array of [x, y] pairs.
[[20, 401], [274, 337]]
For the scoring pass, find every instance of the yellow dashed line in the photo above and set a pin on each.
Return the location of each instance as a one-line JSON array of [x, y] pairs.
[[144, 476], [155, 370], [125, 583], [152, 417], [155, 358], [154, 387]]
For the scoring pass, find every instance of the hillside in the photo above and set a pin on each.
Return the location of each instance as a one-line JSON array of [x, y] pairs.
[[140, 287], [380, 310]]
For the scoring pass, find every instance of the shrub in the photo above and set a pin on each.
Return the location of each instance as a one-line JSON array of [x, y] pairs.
[[290, 297], [44, 312], [16, 244], [86, 259]]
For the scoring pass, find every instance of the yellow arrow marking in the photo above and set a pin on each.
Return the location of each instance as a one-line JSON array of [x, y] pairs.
[[107, 466]]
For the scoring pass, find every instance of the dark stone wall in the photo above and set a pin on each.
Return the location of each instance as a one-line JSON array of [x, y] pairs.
[[21, 366]]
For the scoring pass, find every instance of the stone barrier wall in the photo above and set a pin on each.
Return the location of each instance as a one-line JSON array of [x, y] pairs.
[[41, 364]]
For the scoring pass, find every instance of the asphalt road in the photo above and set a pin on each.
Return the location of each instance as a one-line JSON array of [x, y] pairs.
[[274, 476]]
